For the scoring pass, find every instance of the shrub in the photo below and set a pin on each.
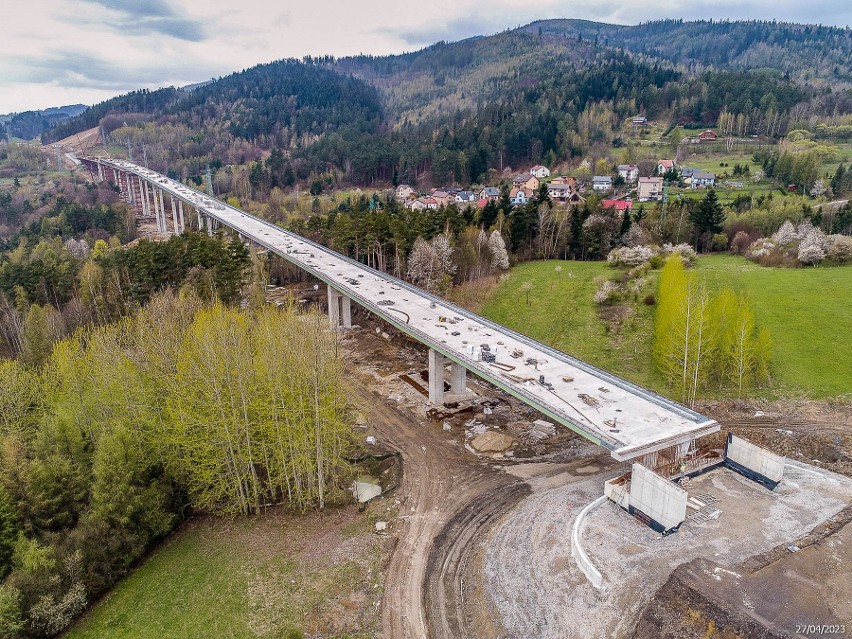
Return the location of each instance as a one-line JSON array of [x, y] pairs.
[[650, 299], [839, 249], [719, 242], [684, 251], [740, 243], [606, 292]]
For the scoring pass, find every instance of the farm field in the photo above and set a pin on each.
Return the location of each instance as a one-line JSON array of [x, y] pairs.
[[275, 575], [808, 313]]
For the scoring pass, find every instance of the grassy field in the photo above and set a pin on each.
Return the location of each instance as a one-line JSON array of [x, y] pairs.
[[807, 311], [247, 578]]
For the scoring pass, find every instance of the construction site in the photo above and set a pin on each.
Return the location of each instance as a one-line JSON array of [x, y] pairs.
[[540, 496], [508, 525]]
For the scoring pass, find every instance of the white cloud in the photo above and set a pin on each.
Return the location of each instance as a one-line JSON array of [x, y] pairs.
[[63, 51]]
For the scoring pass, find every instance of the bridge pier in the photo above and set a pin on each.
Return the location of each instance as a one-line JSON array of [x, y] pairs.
[[174, 215], [436, 377], [333, 308], [339, 309], [180, 217], [458, 379]]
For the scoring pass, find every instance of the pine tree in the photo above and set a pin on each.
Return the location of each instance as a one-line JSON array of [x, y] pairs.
[[708, 217]]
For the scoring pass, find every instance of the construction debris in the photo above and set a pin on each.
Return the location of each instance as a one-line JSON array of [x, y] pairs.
[[588, 400]]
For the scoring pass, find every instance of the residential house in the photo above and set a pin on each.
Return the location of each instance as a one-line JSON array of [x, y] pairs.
[[540, 171], [664, 166], [707, 136], [526, 181], [628, 172], [640, 120], [403, 192], [602, 183], [422, 203], [520, 195], [465, 197], [650, 188], [687, 172], [564, 179], [618, 205], [489, 194], [442, 197], [563, 193], [700, 180]]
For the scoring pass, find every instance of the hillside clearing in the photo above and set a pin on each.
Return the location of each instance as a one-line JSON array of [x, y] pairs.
[[807, 311], [251, 577]]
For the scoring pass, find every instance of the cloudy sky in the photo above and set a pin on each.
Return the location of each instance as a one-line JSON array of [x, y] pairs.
[[56, 52]]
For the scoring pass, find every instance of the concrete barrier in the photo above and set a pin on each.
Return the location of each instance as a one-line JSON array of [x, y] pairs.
[[585, 564], [753, 461], [656, 498]]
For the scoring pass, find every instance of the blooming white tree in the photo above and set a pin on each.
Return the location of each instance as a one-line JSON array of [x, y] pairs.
[[630, 256], [819, 188], [839, 249], [786, 234], [812, 247], [499, 255], [757, 176], [421, 263], [430, 264]]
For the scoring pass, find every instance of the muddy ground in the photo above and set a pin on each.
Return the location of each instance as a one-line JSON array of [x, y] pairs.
[[453, 502]]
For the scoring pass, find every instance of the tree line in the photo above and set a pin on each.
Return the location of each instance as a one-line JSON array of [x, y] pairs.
[[127, 427]]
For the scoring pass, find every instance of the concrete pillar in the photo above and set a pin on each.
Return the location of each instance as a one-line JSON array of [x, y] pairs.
[[346, 311], [162, 211], [209, 221], [436, 377], [180, 216], [200, 220], [458, 379], [333, 308], [174, 215], [101, 171]]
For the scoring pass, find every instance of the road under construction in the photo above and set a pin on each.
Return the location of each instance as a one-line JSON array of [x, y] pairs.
[[630, 421]]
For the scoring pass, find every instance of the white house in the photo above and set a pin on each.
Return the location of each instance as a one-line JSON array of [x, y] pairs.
[[520, 195], [423, 203], [664, 166], [628, 172], [700, 180], [540, 171], [650, 188], [465, 197], [403, 192], [601, 183]]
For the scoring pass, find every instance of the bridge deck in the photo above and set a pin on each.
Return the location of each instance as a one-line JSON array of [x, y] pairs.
[[625, 418]]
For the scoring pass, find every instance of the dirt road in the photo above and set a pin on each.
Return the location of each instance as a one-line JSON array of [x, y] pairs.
[[449, 500], [441, 483]]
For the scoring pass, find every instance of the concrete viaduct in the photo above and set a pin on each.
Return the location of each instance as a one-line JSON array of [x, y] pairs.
[[632, 422]]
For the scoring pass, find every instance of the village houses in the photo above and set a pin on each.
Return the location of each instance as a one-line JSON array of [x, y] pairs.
[[540, 171]]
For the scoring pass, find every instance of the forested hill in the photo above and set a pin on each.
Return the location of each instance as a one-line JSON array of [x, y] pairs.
[[551, 91], [273, 104], [802, 52]]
